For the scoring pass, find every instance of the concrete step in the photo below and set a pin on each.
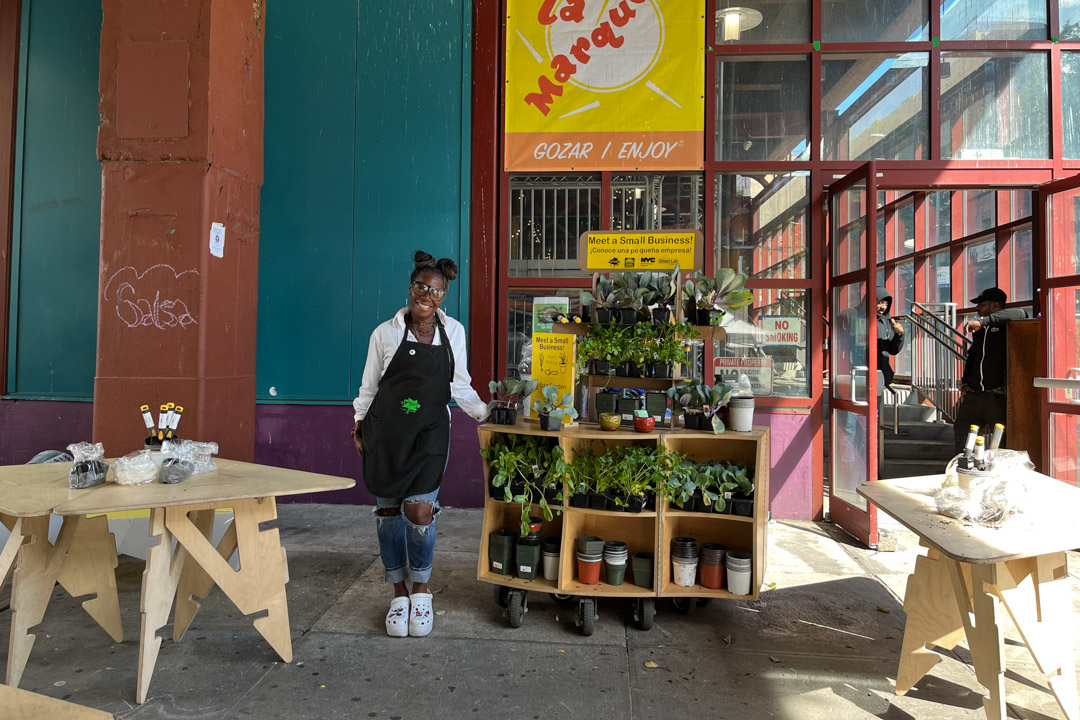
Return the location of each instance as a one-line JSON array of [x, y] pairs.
[[910, 468], [904, 449], [942, 432], [908, 413]]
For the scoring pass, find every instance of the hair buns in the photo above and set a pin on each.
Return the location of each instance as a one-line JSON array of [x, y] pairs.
[[425, 261]]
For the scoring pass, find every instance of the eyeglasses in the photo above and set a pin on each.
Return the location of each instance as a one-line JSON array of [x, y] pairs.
[[422, 289]]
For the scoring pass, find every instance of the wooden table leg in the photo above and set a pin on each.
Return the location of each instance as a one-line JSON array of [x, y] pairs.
[[90, 567], [932, 619], [195, 584], [259, 584], [160, 578], [984, 635], [1037, 594], [11, 547]]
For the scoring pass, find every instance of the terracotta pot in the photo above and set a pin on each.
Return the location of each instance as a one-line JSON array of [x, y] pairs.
[[711, 576], [644, 424], [589, 572]]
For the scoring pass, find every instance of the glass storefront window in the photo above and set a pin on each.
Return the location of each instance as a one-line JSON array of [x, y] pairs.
[[1020, 265], [547, 214], [938, 275], [993, 20], [939, 220], [882, 20], [848, 221], [519, 324], [1069, 18], [994, 106], [761, 224], [903, 296], [905, 229], [873, 106], [882, 237], [762, 109], [741, 22], [980, 268], [1065, 447], [1063, 233], [774, 330], [980, 210], [1063, 313], [1070, 99], [1019, 204], [657, 202]]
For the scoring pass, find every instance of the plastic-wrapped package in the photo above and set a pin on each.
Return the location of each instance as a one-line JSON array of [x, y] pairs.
[[178, 463], [986, 497], [89, 467], [743, 388], [136, 468], [201, 455], [525, 366]]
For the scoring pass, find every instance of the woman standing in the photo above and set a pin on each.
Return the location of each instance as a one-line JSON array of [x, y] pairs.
[[416, 362]]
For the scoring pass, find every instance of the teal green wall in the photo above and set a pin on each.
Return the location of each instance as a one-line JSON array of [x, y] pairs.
[[52, 334], [366, 159]]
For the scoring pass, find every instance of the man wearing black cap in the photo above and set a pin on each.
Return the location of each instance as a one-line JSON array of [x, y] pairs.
[[982, 389]]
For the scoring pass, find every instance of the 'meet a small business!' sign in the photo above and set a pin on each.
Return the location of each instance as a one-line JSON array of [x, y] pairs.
[[603, 250]]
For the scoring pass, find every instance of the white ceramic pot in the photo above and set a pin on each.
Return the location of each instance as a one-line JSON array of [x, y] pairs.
[[741, 414]]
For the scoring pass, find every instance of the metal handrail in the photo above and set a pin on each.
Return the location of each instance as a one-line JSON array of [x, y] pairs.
[[938, 350]]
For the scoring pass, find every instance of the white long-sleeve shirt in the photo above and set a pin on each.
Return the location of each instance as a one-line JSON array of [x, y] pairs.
[[384, 343]]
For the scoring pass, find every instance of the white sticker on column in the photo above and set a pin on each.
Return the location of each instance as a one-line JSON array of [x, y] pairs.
[[217, 239]]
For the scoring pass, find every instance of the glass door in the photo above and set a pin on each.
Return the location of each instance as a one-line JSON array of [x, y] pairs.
[[1059, 211], [853, 367]]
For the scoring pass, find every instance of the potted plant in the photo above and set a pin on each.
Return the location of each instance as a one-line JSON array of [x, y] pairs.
[[662, 290], [610, 349], [639, 471], [629, 297], [553, 408], [715, 398], [688, 399], [714, 297], [668, 347], [507, 397], [524, 469], [601, 299], [742, 501], [681, 484]]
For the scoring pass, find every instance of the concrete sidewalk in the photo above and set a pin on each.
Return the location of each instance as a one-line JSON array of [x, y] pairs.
[[822, 642]]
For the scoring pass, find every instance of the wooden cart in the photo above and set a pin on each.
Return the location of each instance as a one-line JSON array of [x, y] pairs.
[[647, 531]]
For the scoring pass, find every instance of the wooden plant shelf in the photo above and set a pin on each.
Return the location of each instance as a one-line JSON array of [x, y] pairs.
[[647, 531]]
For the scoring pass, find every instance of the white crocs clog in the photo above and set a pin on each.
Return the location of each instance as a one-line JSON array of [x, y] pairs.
[[421, 618], [397, 618]]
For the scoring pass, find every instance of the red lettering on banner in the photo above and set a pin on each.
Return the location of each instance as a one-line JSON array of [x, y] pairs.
[[580, 48], [573, 11], [604, 36], [621, 15], [543, 99], [545, 17], [564, 69]]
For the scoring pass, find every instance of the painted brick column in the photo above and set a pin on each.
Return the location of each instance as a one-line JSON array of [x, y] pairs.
[[181, 147]]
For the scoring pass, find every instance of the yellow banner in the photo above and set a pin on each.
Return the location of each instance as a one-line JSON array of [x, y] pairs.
[[605, 85], [648, 250], [552, 364]]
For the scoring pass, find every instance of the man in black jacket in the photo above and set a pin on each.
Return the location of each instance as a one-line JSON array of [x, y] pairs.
[[982, 389]]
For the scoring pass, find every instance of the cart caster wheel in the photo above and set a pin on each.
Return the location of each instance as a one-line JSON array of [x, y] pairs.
[[704, 602], [516, 607], [645, 612], [501, 594], [683, 605], [562, 599], [587, 616]]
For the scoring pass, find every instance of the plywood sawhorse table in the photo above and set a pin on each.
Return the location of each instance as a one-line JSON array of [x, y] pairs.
[[971, 573], [185, 512], [83, 560]]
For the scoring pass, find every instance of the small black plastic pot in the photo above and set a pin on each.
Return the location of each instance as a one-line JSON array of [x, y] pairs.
[[550, 424], [642, 565], [693, 421], [627, 316], [602, 367], [586, 313], [635, 504], [501, 551], [743, 506], [579, 501], [660, 315], [527, 559], [623, 369], [606, 403], [597, 501], [660, 370], [603, 315], [551, 495]]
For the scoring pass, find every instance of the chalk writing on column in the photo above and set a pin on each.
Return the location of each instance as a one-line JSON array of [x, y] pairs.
[[150, 297]]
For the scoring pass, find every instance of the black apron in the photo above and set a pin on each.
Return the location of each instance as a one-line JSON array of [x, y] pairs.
[[406, 432]]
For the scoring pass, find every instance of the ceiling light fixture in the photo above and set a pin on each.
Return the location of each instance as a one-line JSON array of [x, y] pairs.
[[737, 19]]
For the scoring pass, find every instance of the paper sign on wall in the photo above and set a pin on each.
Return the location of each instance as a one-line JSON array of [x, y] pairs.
[[604, 85], [601, 250], [786, 330], [758, 370], [217, 239], [546, 309], [553, 364]]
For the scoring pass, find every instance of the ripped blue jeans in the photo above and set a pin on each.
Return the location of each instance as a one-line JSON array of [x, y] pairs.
[[402, 542]]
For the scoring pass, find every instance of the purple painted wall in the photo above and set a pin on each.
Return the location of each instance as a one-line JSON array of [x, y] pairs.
[[29, 426], [318, 438], [791, 475]]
